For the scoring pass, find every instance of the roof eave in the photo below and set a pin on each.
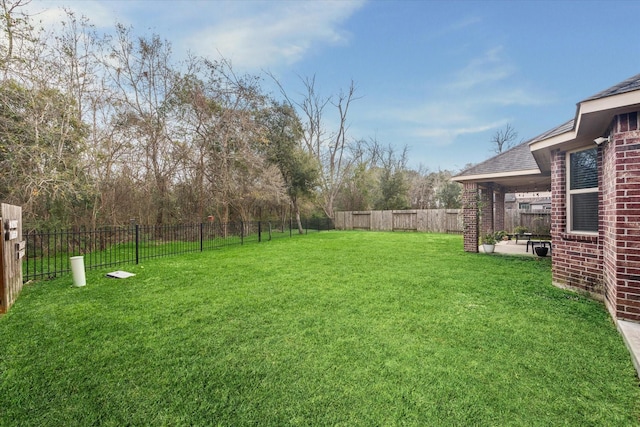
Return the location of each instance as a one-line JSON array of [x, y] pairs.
[[494, 176], [593, 118]]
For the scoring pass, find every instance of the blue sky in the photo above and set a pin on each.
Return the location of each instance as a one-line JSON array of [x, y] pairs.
[[437, 76]]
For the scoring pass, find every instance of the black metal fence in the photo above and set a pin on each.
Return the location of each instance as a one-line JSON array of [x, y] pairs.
[[48, 252]]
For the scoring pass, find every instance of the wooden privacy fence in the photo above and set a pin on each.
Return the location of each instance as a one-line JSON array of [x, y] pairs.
[[435, 220], [536, 221], [427, 220]]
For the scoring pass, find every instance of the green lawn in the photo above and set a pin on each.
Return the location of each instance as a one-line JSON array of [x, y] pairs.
[[335, 328]]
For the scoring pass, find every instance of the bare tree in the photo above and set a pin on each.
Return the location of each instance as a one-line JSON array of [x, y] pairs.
[[503, 139], [18, 33], [330, 148], [145, 80]]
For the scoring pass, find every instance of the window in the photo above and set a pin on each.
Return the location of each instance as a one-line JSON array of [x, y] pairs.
[[524, 206], [582, 197]]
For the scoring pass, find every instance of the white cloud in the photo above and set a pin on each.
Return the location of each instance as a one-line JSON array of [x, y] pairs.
[[486, 69], [51, 12], [281, 33], [252, 34]]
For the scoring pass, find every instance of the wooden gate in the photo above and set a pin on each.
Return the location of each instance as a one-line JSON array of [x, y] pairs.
[[361, 220], [12, 251], [405, 220]]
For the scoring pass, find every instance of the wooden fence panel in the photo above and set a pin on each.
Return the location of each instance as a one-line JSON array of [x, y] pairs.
[[426, 220], [11, 252], [454, 221], [535, 221], [435, 220], [361, 220], [405, 220]]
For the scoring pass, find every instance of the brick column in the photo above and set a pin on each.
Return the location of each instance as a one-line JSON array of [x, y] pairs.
[[470, 216], [621, 162], [486, 210], [498, 215]]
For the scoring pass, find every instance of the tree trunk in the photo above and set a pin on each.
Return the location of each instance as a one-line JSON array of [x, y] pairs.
[[298, 220]]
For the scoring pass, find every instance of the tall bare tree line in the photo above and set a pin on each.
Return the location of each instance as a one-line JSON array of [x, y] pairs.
[[101, 129]]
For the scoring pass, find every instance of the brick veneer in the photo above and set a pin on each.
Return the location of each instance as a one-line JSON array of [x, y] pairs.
[[479, 215], [606, 265], [486, 209], [470, 216], [498, 216], [577, 259], [621, 228]]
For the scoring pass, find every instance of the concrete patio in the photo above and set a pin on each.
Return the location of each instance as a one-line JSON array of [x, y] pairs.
[[510, 247]]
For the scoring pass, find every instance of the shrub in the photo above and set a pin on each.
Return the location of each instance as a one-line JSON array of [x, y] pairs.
[[489, 239], [520, 229]]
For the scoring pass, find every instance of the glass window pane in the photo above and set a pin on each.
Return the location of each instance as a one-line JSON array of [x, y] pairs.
[[584, 212], [584, 169]]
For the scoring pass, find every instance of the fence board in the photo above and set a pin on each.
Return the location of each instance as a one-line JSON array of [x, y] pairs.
[[361, 220], [426, 220], [11, 274], [535, 221], [435, 220], [405, 220]]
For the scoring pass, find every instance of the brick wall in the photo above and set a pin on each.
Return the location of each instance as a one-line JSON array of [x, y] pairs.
[[577, 259], [470, 216], [607, 264], [498, 216], [486, 210], [621, 169], [607, 186]]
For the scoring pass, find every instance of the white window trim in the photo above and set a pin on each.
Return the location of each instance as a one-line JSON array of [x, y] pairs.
[[570, 192]]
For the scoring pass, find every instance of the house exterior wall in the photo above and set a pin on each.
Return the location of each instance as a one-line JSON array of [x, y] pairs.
[[486, 210], [607, 186], [577, 259], [606, 265], [499, 210], [621, 229]]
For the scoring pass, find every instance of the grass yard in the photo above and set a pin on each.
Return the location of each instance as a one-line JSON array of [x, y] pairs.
[[335, 328]]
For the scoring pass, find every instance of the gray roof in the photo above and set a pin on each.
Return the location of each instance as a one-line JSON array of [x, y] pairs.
[[560, 129], [629, 85], [518, 158]]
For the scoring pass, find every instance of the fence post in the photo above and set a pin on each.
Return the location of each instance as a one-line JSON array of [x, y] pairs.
[[241, 232], [259, 232], [290, 227], [137, 244], [201, 235]]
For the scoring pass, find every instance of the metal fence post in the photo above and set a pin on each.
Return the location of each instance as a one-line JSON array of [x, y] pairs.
[[201, 235], [259, 232], [241, 233], [137, 244]]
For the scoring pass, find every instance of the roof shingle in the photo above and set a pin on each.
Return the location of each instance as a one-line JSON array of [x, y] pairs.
[[629, 85], [518, 158]]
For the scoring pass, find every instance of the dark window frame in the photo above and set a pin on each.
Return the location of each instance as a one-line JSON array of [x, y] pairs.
[[582, 191]]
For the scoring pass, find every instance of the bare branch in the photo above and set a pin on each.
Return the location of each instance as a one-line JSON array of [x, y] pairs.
[[504, 139]]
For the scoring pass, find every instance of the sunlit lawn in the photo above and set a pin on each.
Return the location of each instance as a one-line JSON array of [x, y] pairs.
[[336, 328]]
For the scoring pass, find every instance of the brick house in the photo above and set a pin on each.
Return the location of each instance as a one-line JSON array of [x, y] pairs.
[[591, 164]]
